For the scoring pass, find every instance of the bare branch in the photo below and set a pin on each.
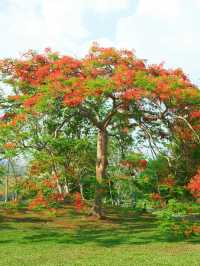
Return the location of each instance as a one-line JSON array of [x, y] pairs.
[[190, 126]]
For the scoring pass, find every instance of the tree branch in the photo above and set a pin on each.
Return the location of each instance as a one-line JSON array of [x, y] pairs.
[[87, 113]]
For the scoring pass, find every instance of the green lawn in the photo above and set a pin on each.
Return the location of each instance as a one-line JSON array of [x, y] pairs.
[[124, 238]]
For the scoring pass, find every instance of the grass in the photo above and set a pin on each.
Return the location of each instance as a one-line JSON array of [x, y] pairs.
[[123, 239]]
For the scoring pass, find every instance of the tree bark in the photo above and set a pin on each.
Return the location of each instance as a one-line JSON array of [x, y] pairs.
[[81, 191], [6, 189], [101, 165]]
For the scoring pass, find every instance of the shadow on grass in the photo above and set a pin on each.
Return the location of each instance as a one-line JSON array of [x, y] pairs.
[[108, 233], [21, 216], [5, 226], [103, 237], [120, 228]]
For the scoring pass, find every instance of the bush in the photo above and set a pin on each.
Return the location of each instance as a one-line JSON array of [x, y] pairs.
[[173, 221]]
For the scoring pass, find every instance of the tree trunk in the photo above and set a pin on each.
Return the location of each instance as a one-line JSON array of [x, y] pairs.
[[81, 191], [66, 188], [6, 189], [59, 187], [110, 189], [101, 165]]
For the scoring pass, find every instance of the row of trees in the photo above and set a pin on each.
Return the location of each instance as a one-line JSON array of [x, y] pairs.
[[108, 125]]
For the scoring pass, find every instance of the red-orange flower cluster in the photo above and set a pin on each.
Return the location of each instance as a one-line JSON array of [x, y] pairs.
[[9, 145], [169, 181], [195, 114], [49, 183], [79, 202], [18, 118], [194, 185], [30, 102], [133, 94], [156, 196], [38, 201], [73, 99], [143, 164]]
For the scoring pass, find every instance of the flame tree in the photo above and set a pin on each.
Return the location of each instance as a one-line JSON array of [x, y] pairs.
[[109, 90]]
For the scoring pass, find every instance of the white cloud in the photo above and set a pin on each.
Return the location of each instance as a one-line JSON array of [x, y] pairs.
[[157, 8], [63, 18], [36, 24], [197, 2], [164, 31], [108, 5]]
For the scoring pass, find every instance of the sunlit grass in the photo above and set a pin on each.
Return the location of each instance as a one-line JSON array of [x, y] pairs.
[[124, 238]]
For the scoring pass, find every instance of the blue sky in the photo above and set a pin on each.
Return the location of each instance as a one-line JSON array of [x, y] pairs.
[[158, 30]]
